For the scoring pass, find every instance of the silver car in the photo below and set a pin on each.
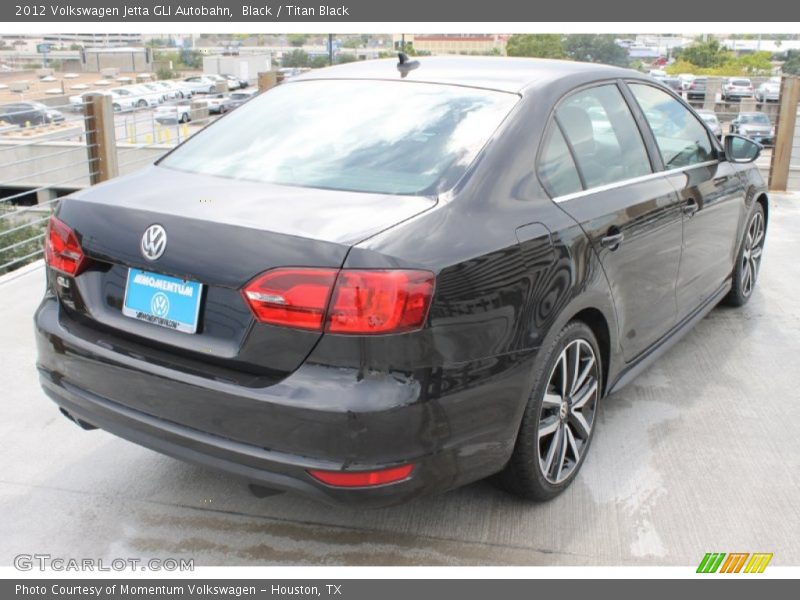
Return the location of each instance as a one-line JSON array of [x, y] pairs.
[[710, 119]]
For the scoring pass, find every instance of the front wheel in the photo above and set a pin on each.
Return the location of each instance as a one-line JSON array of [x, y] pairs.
[[748, 261], [558, 423]]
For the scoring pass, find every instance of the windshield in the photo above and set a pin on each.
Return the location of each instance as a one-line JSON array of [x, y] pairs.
[[371, 136], [709, 118], [757, 119], [741, 82]]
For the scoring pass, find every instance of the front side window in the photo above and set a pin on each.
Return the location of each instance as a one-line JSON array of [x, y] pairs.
[[681, 138], [603, 136], [389, 137]]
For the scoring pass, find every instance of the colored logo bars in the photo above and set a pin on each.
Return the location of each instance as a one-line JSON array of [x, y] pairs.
[[719, 562]]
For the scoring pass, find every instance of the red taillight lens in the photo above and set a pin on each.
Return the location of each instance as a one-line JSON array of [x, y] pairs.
[[62, 250], [291, 297], [391, 301], [350, 301], [362, 478]]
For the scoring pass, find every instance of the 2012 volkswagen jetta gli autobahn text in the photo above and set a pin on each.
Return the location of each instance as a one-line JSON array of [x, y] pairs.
[[387, 279]]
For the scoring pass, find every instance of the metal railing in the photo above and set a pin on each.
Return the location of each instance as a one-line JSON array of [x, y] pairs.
[[49, 151]]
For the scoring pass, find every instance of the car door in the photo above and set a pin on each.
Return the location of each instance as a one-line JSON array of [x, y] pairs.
[[710, 191], [630, 214]]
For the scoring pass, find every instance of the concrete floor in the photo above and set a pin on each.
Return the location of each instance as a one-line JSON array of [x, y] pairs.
[[701, 453]]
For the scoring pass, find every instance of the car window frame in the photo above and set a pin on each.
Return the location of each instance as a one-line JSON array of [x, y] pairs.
[[656, 163], [715, 143]]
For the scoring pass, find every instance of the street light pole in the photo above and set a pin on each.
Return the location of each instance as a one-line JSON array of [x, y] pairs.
[[330, 49]]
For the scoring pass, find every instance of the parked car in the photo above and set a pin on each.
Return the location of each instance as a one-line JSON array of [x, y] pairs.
[[201, 84], [179, 112], [686, 80], [236, 99], [140, 96], [236, 83], [657, 73], [119, 102], [736, 88], [229, 84], [398, 306], [697, 89], [215, 103], [673, 83], [165, 91], [754, 125], [710, 118], [27, 114], [768, 92]]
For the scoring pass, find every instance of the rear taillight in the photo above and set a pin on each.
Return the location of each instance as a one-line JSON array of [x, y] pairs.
[[362, 478], [62, 250], [347, 301], [291, 297]]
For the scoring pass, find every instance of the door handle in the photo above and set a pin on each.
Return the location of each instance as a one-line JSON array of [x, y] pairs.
[[612, 240], [690, 207]]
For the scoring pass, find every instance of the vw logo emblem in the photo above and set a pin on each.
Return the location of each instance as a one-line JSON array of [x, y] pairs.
[[159, 305], [154, 242]]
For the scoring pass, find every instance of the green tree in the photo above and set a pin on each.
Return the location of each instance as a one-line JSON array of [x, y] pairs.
[[345, 58], [297, 39], [537, 45], [708, 54], [791, 65], [353, 42], [295, 58], [596, 48], [757, 63], [319, 61]]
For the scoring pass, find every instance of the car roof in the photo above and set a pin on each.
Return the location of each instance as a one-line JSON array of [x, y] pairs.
[[499, 73]]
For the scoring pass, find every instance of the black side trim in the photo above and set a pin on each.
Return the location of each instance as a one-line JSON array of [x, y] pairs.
[[665, 343]]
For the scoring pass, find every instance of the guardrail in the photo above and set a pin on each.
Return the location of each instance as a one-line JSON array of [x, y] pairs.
[[50, 151]]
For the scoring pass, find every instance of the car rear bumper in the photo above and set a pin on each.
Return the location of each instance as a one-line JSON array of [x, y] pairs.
[[398, 423]]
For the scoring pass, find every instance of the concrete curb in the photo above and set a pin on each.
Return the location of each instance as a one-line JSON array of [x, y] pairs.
[[22, 271]]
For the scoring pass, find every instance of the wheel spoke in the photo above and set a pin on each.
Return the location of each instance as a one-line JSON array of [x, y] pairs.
[[562, 456], [551, 400], [576, 365], [585, 395], [548, 428], [573, 444], [756, 253], [581, 424], [551, 452], [584, 374], [564, 373]]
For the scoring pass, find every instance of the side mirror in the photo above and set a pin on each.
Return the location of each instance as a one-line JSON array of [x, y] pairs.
[[739, 149]]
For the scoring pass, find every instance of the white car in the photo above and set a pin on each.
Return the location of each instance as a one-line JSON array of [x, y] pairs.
[[170, 91], [686, 80], [736, 88], [200, 84], [228, 83], [119, 102], [173, 113], [768, 92]]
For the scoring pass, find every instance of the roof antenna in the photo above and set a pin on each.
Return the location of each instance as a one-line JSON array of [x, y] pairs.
[[404, 65]]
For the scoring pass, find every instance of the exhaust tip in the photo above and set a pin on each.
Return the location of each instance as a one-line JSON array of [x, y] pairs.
[[79, 422], [259, 491]]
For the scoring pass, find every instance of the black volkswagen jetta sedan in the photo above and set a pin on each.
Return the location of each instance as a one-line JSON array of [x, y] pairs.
[[386, 279]]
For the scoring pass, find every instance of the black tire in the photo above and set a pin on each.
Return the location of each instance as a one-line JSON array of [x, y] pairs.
[[116, 108], [525, 475], [142, 103], [184, 118], [748, 260]]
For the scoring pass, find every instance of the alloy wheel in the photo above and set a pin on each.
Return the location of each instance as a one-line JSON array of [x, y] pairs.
[[751, 254], [567, 411]]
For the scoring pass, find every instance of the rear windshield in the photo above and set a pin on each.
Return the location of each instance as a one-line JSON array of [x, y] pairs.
[[391, 137], [740, 82]]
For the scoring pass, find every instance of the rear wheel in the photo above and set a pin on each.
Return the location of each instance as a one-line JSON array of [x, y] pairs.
[[748, 262], [142, 103], [184, 118], [558, 423]]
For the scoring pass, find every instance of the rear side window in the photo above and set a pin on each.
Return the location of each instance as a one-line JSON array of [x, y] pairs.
[[557, 170], [605, 141], [681, 138]]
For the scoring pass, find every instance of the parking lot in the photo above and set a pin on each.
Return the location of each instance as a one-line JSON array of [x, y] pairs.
[[701, 453]]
